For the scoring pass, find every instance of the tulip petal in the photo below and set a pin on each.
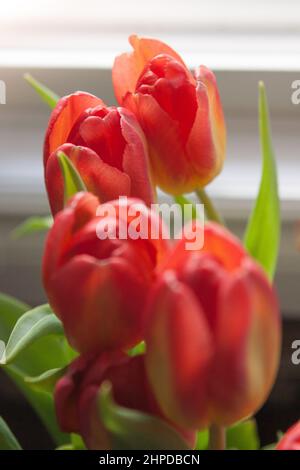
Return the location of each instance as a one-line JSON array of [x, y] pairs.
[[135, 157], [66, 396], [291, 439], [204, 274], [225, 246], [81, 208], [94, 300], [170, 168], [248, 351], [128, 66], [157, 234], [64, 116], [218, 242], [103, 180], [56, 243], [206, 144], [179, 353]]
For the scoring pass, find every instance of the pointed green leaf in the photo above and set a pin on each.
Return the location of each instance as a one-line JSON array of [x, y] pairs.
[[33, 225], [10, 310], [262, 235], [33, 361], [8, 440], [47, 95], [31, 326], [131, 429], [243, 436], [47, 380], [72, 179]]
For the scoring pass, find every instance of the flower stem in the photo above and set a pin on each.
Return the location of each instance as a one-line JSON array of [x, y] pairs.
[[210, 210], [217, 438]]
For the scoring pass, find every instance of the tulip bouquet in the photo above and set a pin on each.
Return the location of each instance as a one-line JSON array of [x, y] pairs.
[[146, 344]]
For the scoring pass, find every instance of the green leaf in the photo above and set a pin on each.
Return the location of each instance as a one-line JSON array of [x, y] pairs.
[[262, 236], [202, 440], [46, 353], [131, 429], [72, 179], [138, 349], [47, 380], [68, 446], [77, 442], [243, 436], [270, 446], [7, 439], [33, 225], [47, 95], [183, 202], [31, 326], [10, 310]]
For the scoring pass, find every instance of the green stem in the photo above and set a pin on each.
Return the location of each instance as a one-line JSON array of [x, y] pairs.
[[217, 437], [210, 210]]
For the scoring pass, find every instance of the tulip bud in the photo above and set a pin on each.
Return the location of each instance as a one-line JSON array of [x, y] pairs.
[[77, 398], [181, 114], [213, 334], [106, 145], [97, 284], [291, 439]]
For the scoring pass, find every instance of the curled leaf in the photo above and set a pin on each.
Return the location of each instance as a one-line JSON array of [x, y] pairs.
[[31, 326], [131, 429]]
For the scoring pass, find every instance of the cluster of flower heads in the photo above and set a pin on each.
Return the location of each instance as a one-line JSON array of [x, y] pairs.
[[208, 318]]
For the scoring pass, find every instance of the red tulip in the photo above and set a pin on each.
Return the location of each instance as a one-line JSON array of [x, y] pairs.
[[213, 338], [76, 395], [291, 439], [97, 287], [181, 114], [106, 145]]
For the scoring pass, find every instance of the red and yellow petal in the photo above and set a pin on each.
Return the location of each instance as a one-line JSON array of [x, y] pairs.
[[179, 353], [248, 338], [128, 66], [101, 179], [206, 145], [217, 242], [135, 158], [64, 116], [170, 168]]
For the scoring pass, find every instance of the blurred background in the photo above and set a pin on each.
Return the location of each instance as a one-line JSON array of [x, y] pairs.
[[70, 46]]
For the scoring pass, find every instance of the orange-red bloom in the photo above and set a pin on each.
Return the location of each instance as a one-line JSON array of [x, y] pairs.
[[213, 338], [180, 113], [77, 396], [97, 287], [106, 145], [291, 439]]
